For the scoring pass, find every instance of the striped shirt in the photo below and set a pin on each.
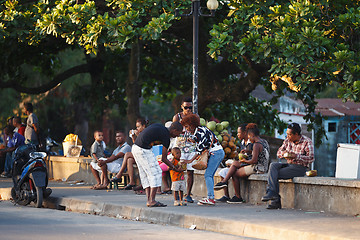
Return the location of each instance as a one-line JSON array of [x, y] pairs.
[[303, 149]]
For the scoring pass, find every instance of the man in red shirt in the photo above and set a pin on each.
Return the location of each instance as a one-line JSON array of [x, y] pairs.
[[298, 150], [19, 127]]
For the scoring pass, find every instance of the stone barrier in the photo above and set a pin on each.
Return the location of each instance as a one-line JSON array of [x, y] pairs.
[[318, 194], [70, 169], [326, 194]]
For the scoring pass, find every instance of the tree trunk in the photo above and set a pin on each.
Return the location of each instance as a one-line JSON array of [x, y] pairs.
[[133, 85]]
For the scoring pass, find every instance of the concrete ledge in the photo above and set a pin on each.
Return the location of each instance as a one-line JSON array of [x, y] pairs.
[[331, 195], [326, 194], [325, 181], [70, 168], [5, 194]]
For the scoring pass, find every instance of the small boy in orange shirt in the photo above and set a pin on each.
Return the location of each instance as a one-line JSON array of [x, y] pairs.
[[178, 181]]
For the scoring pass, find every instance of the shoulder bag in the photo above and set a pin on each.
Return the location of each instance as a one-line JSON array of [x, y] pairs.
[[201, 162]]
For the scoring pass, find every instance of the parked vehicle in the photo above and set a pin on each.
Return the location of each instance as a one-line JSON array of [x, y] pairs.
[[29, 176], [50, 143]]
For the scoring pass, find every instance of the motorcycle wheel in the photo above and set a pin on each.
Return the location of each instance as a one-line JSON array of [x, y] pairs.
[[24, 202], [39, 197]]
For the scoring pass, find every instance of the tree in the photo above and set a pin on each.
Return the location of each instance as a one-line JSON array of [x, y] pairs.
[[143, 34], [35, 32], [301, 45]]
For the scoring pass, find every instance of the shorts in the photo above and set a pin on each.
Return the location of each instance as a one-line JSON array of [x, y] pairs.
[[249, 169], [149, 169], [178, 186], [223, 172], [113, 167], [188, 156]]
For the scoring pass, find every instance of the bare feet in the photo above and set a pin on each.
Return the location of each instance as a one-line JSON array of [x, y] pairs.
[[100, 187], [95, 186]]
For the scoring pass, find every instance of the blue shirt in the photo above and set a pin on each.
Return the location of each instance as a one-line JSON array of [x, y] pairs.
[[16, 141], [124, 149]]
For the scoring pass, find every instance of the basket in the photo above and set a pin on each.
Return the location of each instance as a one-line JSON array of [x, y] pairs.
[[71, 150]]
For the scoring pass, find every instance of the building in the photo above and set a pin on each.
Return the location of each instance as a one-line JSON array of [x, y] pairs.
[[342, 125], [289, 109]]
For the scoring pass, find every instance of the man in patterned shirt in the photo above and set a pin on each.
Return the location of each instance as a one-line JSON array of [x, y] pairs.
[[298, 150]]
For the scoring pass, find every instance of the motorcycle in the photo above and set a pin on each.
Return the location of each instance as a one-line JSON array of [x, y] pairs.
[[30, 176], [50, 143]]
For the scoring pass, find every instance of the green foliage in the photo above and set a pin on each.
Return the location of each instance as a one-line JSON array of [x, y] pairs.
[[250, 111], [8, 105], [156, 110], [312, 42], [303, 45], [306, 44]]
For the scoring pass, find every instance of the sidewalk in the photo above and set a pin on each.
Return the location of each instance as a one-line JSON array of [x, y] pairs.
[[237, 219]]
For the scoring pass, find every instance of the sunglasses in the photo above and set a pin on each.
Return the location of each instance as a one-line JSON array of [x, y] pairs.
[[186, 107]]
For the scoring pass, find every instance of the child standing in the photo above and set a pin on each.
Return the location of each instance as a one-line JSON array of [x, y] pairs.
[[97, 153], [178, 182]]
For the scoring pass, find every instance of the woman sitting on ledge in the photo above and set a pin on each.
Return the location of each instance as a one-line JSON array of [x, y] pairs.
[[259, 163]]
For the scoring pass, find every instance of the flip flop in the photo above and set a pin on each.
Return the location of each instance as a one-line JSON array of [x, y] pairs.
[[167, 192], [138, 188], [158, 204], [129, 187]]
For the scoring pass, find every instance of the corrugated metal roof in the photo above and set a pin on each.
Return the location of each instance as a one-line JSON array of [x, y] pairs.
[[333, 107]]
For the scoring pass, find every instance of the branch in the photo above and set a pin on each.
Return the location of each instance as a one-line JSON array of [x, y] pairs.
[[84, 68]]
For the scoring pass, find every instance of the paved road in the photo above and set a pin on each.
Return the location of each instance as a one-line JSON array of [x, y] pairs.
[[18, 222]]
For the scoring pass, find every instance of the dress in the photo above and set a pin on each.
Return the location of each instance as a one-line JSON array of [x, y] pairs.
[[262, 165]]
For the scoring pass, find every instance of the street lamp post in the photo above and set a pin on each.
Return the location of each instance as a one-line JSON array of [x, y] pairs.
[[196, 13]]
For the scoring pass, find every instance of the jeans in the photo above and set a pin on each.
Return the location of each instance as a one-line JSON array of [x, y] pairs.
[[8, 162], [283, 171], [213, 163]]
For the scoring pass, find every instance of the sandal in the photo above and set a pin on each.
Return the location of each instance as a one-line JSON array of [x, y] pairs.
[[140, 192], [167, 192], [116, 180], [129, 187], [158, 204], [137, 188]]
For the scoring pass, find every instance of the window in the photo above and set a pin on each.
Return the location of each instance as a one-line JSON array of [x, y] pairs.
[[354, 132], [332, 127]]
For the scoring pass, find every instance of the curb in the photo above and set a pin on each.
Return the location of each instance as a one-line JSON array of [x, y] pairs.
[[213, 224]]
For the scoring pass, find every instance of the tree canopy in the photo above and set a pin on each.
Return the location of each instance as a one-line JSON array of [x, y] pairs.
[[138, 48], [303, 45]]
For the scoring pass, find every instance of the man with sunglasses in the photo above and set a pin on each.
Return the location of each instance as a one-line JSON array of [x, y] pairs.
[[298, 150], [187, 148], [186, 106]]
